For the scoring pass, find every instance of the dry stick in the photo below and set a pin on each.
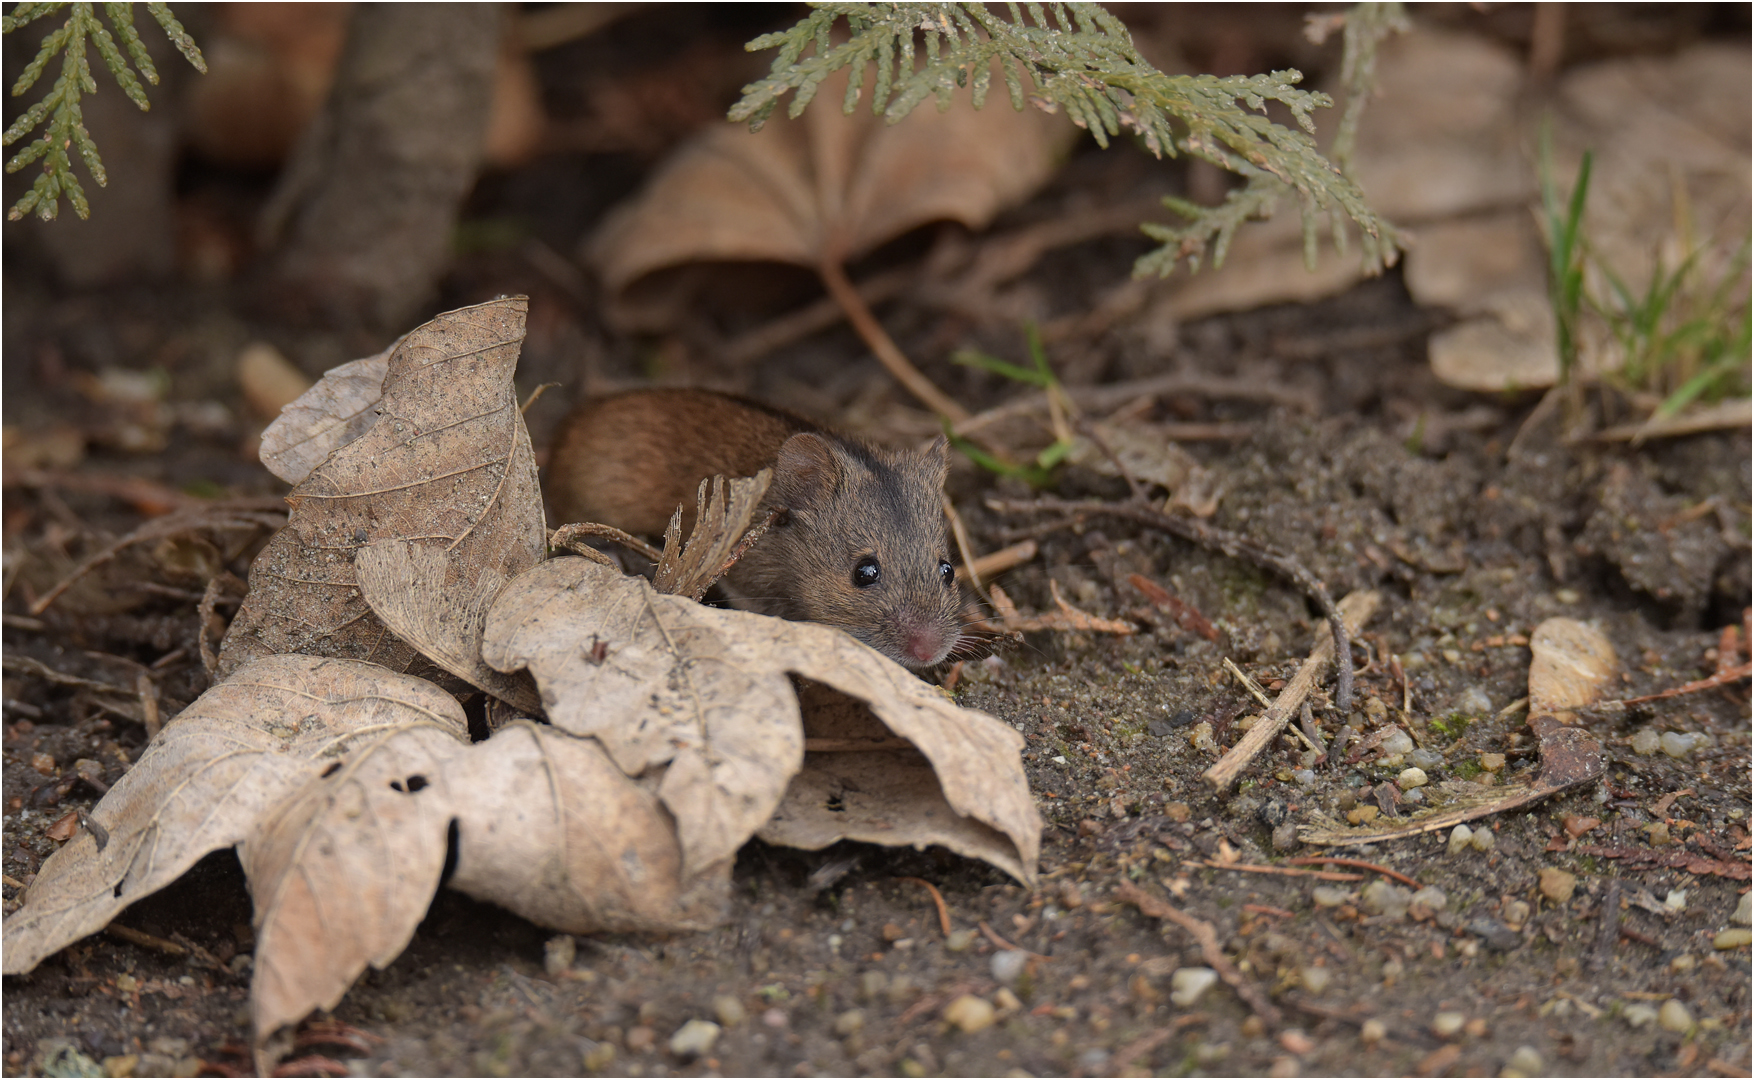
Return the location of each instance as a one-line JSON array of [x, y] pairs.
[[994, 937], [1228, 543], [994, 563], [1357, 864], [888, 353], [937, 898], [1353, 611], [571, 537], [1209, 948]]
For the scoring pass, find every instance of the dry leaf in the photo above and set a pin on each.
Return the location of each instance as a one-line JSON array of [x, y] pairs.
[[823, 188], [662, 681], [1571, 665], [209, 781], [447, 467], [340, 408]]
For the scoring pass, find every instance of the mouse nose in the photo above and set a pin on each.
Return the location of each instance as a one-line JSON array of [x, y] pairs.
[[925, 646]]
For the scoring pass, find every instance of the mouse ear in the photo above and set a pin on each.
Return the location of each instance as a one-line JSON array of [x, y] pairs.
[[806, 471], [937, 459]]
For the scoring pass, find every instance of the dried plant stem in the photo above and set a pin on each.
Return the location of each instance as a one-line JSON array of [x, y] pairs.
[[888, 353], [1356, 610]]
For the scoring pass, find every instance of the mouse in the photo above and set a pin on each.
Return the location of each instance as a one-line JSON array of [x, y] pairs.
[[859, 541]]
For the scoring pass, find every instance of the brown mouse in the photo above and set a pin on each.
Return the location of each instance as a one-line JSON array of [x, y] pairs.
[[860, 543]]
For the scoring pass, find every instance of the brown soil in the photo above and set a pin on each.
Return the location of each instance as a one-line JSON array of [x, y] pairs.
[[834, 963]]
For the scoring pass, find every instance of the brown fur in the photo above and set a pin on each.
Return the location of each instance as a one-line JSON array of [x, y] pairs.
[[630, 460]]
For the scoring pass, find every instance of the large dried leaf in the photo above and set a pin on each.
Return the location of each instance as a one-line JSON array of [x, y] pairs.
[[340, 408], [344, 872], [662, 681], [825, 187], [447, 467], [209, 781]]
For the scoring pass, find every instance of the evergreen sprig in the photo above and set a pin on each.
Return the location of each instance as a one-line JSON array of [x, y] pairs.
[[1080, 58], [61, 106]]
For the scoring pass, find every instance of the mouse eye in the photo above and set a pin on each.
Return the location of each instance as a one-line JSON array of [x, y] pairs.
[[866, 572], [946, 571]]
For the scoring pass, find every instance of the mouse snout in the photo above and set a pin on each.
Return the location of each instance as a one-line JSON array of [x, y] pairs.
[[923, 641]]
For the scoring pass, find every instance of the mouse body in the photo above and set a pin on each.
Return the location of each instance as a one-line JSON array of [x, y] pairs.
[[860, 541]]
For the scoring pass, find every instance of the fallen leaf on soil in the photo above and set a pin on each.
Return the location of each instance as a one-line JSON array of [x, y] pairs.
[[208, 782], [447, 467], [337, 410], [1150, 455], [704, 695], [1571, 666], [825, 187]]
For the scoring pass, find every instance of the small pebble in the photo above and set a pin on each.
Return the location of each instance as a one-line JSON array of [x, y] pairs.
[[1497, 936], [775, 1018], [1296, 1041], [1557, 885], [1638, 1014], [1007, 966], [640, 1039], [1473, 702], [600, 1057], [1093, 1062], [1743, 916], [1411, 778], [970, 1014], [1425, 759], [1516, 913], [1492, 762], [1682, 964], [1006, 1001], [1427, 902], [1680, 744], [729, 1010], [1315, 979], [1676, 901], [1372, 1031], [1645, 742], [1447, 1024], [694, 1038], [1658, 831], [1397, 743], [959, 940], [1329, 895], [1461, 838], [850, 1022], [1673, 1016], [1381, 898], [872, 984], [558, 954], [1189, 983], [1734, 938], [1484, 839], [1526, 1061]]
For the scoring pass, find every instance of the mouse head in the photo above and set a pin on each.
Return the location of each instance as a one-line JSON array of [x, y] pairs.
[[863, 546]]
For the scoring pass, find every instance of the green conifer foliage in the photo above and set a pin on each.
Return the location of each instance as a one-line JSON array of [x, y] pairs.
[[1079, 58], [66, 126]]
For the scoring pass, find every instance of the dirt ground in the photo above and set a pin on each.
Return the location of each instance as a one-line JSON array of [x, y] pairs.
[[1585, 941]]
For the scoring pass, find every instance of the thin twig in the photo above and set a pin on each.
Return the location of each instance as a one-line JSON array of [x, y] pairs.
[[997, 939], [888, 353], [1356, 864], [1210, 949], [1228, 543], [937, 898]]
